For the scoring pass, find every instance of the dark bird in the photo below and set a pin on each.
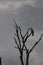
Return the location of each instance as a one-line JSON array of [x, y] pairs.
[[32, 31]]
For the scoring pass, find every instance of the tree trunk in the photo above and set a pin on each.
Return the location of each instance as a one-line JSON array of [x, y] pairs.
[[27, 58], [21, 58]]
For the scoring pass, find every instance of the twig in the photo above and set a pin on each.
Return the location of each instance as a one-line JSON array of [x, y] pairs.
[[36, 43]]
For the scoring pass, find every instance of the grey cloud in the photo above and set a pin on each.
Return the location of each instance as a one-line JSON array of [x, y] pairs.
[[30, 16], [19, 4]]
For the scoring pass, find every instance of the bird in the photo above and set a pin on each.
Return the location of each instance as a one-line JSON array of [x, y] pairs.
[[32, 32]]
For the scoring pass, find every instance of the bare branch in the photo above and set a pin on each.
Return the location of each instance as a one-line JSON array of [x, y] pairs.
[[17, 48], [16, 42], [21, 33], [18, 38], [16, 26], [32, 32], [36, 43], [28, 35], [17, 32]]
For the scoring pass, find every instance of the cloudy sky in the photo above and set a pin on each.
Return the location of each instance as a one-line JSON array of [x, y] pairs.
[[27, 13]]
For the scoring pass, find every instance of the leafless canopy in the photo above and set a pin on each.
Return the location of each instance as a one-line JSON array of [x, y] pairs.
[[21, 40]]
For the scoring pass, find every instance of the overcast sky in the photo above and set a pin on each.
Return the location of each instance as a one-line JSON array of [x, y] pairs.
[[27, 13]]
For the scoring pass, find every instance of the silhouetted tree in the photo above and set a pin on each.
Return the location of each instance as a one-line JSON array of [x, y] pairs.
[[20, 41]]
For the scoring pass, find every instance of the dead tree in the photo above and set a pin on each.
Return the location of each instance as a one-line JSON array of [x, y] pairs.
[[20, 41]]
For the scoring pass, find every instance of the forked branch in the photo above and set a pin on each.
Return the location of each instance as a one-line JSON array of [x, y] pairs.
[[36, 43], [16, 42], [21, 46]]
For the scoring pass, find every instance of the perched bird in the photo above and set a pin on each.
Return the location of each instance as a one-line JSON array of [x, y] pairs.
[[32, 31]]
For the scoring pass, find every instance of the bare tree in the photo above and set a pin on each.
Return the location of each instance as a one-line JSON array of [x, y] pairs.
[[20, 41]]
